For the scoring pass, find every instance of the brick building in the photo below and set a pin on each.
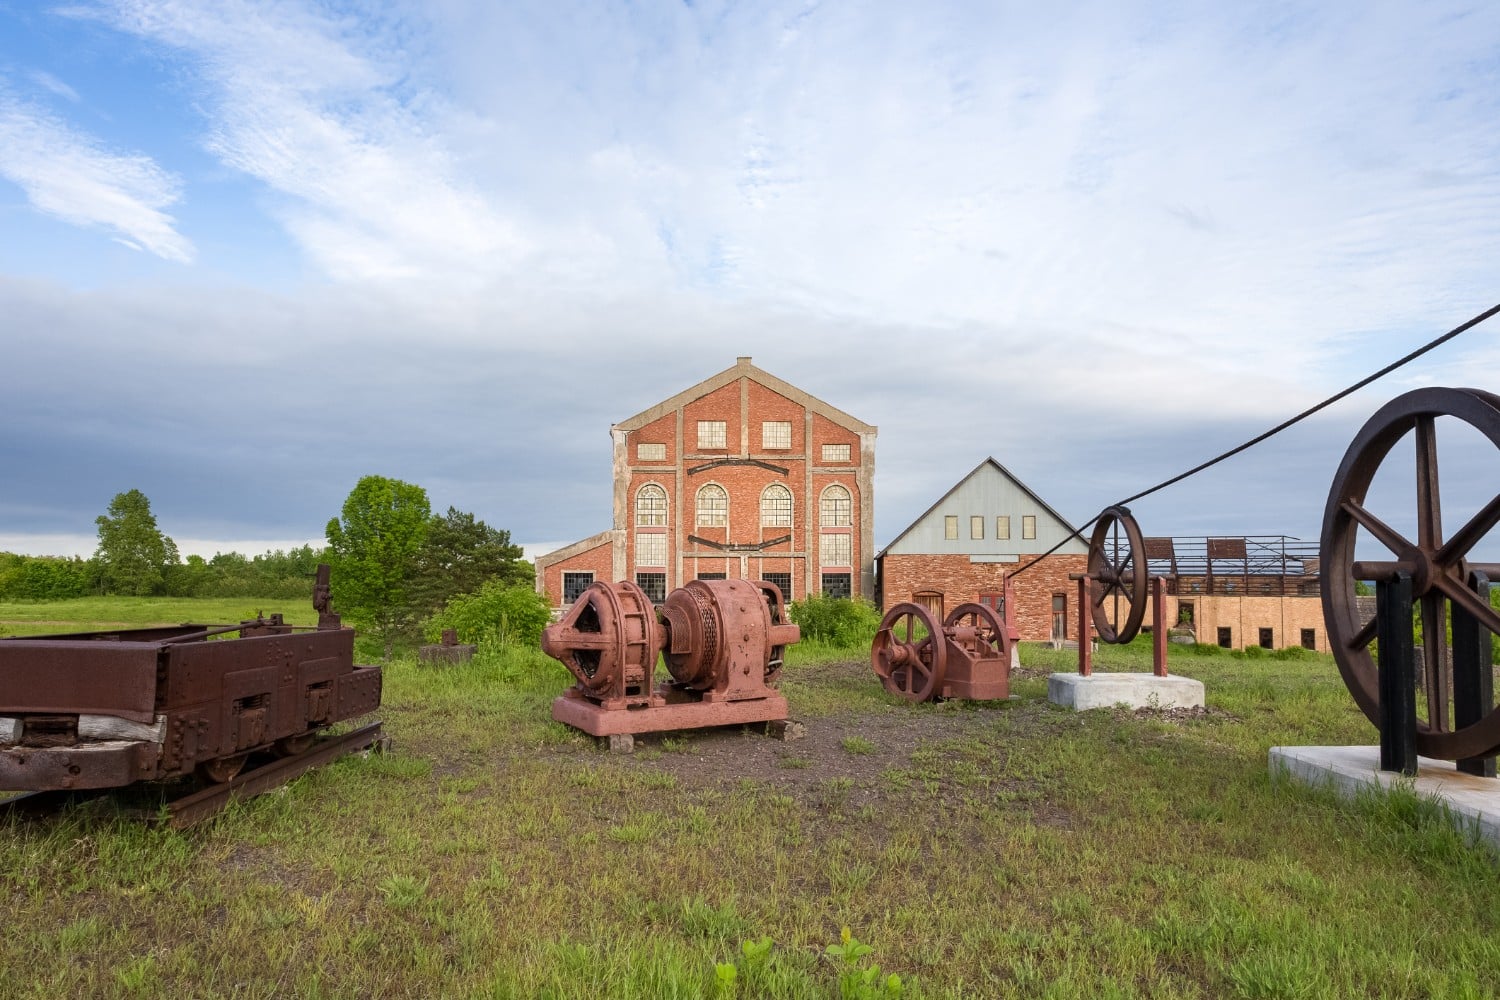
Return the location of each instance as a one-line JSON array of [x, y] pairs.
[[742, 476], [985, 528]]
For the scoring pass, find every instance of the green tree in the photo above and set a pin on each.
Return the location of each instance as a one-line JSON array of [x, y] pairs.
[[373, 547], [133, 554], [504, 615], [460, 554]]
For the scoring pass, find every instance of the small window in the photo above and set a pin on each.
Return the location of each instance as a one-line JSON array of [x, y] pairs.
[[1028, 525], [776, 434], [574, 584], [1002, 527], [836, 549], [1267, 638], [713, 576], [976, 526], [651, 506], [654, 584], [836, 508], [1309, 638], [712, 434], [950, 527], [1185, 614], [835, 453], [776, 507], [783, 582], [1226, 637], [713, 506], [651, 452], [651, 549], [837, 585]]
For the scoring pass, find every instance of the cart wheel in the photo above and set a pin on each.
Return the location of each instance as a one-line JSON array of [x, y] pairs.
[[909, 654], [222, 769]]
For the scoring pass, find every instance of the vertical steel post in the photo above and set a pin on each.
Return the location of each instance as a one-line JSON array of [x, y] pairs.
[[1473, 665], [1159, 626], [1085, 618], [1397, 675]]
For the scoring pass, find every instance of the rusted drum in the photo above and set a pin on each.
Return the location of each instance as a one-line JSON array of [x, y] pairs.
[[909, 654], [717, 627], [607, 635], [1439, 568], [1117, 578], [978, 630]]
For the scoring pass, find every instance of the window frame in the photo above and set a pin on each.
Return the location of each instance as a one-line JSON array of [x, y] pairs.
[[640, 494], [774, 518], [1002, 527], [715, 430], [1028, 527], [950, 527], [578, 592], [841, 507], [705, 516], [766, 442]]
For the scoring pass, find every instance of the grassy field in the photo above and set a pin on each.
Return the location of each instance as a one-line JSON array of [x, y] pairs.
[[96, 613], [980, 850]]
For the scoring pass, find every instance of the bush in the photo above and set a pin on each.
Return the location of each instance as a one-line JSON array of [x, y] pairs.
[[495, 614], [839, 621]]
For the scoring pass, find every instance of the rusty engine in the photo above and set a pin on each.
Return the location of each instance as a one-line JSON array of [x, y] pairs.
[[722, 640], [107, 709]]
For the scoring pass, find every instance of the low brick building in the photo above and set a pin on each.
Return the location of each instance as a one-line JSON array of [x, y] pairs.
[[742, 476]]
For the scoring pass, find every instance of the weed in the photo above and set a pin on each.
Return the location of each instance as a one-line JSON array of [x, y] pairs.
[[858, 745]]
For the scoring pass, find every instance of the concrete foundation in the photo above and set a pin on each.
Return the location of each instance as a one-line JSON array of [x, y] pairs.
[[1131, 690], [1348, 769]]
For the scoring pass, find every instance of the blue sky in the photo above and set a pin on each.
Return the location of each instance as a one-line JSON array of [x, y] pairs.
[[250, 252]]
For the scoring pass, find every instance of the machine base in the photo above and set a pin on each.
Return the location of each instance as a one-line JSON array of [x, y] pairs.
[[581, 713]]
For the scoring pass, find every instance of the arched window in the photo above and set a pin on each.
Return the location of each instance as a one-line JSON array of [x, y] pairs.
[[713, 506], [776, 507], [835, 508], [651, 506]]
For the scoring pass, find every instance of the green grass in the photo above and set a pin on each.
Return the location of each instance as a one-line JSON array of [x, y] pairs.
[[83, 614], [1014, 850]]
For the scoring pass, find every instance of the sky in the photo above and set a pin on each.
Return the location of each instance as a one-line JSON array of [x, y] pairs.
[[253, 251]]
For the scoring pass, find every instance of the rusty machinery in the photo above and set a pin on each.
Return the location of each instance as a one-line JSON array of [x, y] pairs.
[[97, 710], [722, 640], [967, 657], [1426, 581], [1112, 594]]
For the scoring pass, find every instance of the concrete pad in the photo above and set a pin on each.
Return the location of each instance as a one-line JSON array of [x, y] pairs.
[[1348, 769], [1131, 690]]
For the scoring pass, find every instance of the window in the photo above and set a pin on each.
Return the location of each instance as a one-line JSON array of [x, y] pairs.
[[775, 434], [1002, 527], [651, 452], [1309, 638], [835, 453], [713, 576], [1185, 614], [976, 526], [574, 584], [783, 582], [837, 585], [651, 506], [1059, 617], [950, 527], [836, 549], [651, 549], [836, 509], [1267, 639], [1226, 637], [776, 507], [654, 584], [1028, 525], [713, 506], [712, 434]]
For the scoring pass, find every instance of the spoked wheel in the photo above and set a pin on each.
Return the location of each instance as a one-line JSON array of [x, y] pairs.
[[222, 769], [291, 746], [1117, 575], [908, 654], [980, 621], [1439, 568]]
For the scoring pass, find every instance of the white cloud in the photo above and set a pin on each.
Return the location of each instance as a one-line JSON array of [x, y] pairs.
[[71, 176]]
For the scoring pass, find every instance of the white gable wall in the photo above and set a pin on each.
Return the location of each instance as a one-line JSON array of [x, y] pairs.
[[987, 492]]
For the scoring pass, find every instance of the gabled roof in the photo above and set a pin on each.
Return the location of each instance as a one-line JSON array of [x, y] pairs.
[[569, 551], [956, 486], [744, 369]]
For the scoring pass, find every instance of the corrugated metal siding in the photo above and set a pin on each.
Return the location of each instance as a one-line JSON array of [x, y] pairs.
[[988, 493]]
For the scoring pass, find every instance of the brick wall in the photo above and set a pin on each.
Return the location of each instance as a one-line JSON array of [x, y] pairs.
[[959, 581], [597, 560]]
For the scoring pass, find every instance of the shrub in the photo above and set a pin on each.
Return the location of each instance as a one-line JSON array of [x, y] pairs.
[[839, 621], [494, 614]]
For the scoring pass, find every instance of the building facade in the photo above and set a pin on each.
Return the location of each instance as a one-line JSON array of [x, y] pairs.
[[742, 476]]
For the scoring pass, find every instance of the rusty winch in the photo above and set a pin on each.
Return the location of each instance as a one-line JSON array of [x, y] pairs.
[[722, 641], [967, 656]]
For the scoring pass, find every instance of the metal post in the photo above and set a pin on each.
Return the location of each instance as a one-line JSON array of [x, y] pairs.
[[1397, 674], [1085, 617], [1473, 665], [1159, 626]]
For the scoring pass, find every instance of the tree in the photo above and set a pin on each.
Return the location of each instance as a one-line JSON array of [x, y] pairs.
[[133, 554], [373, 547], [460, 554]]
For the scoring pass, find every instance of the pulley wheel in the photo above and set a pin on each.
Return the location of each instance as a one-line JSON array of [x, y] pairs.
[[987, 626], [1439, 566], [1117, 576], [909, 654]]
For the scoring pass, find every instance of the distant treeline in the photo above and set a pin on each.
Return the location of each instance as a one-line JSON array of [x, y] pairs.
[[227, 574]]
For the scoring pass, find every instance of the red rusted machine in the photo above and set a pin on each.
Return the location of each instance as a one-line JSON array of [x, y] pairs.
[[722, 640], [106, 709], [967, 658]]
